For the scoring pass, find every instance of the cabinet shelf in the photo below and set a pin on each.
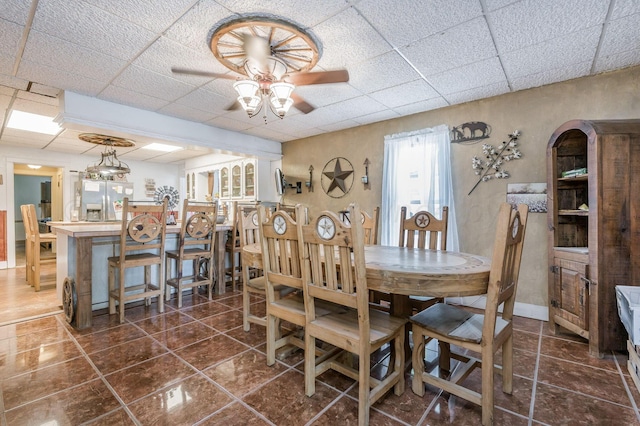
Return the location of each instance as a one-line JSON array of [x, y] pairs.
[[579, 178], [573, 212]]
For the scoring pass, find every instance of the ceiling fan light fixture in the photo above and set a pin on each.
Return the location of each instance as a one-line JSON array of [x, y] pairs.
[[246, 88], [281, 108], [251, 105], [282, 91]]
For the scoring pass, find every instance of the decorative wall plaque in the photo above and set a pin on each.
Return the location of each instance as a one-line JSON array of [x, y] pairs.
[[337, 177]]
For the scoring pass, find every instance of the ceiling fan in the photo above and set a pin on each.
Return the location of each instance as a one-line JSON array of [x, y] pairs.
[[274, 56]]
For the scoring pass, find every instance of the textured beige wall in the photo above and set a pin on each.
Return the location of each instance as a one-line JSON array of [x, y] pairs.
[[535, 112]]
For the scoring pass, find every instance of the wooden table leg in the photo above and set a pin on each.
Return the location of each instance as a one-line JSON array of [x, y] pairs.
[[83, 283], [401, 307]]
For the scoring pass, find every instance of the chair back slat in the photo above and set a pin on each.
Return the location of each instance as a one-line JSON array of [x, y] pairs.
[[280, 254], [333, 264], [143, 227], [423, 230], [248, 225], [370, 226], [505, 263], [198, 225]]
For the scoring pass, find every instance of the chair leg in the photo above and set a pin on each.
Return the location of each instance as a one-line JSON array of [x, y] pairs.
[[161, 287], [246, 301], [272, 323], [444, 358], [364, 391], [417, 358], [167, 274], [121, 296], [507, 365], [309, 365], [112, 286], [487, 386], [36, 267], [147, 283]]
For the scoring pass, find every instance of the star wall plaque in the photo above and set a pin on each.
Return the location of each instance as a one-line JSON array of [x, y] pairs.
[[337, 177]]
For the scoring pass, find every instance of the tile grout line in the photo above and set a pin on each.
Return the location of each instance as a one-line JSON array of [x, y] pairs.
[[100, 376], [626, 387], [534, 386]]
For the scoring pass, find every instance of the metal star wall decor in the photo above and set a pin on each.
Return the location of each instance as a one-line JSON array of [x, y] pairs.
[[337, 177]]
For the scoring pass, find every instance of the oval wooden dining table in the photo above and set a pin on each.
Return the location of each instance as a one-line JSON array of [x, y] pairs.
[[404, 272]]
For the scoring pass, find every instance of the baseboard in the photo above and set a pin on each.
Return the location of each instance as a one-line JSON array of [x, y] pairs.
[[526, 310]]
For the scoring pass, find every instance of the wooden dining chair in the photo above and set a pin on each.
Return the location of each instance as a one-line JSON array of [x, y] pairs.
[[356, 328], [370, 226], [232, 251], [33, 240], [196, 243], [142, 242], [483, 333], [423, 230], [253, 281]]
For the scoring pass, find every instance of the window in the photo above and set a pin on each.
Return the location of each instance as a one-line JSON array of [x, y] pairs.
[[417, 174]]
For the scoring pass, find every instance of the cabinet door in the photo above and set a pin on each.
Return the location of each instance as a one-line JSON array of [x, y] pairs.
[[249, 180], [571, 292], [236, 181], [224, 182]]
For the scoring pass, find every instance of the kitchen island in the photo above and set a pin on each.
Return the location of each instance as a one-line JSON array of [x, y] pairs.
[[83, 249]]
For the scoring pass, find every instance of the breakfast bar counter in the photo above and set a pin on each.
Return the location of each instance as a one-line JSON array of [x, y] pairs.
[[81, 265]]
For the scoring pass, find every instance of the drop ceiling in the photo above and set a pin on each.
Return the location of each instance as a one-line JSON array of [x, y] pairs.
[[403, 57]]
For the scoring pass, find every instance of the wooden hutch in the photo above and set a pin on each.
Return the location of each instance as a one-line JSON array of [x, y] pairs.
[[594, 226]]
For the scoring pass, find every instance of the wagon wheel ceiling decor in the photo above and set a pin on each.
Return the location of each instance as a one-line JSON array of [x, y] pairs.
[[109, 164], [272, 56], [337, 177]]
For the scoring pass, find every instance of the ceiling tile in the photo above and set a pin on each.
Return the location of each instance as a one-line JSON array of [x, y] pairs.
[[127, 97], [166, 53], [228, 123], [621, 35], [349, 109], [64, 146], [451, 48], [551, 76], [618, 60], [10, 34], [381, 72], [205, 100], [193, 29], [5, 100], [69, 57], [36, 107], [91, 27], [418, 19], [266, 132], [13, 82], [376, 116], [559, 52], [304, 12], [36, 138], [156, 16], [16, 11], [159, 86], [421, 106], [479, 93], [468, 77], [320, 95], [6, 64], [57, 78], [497, 4], [403, 94], [186, 112], [623, 8], [531, 22], [346, 39], [338, 125]]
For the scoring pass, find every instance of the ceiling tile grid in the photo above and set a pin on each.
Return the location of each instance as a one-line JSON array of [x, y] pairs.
[[403, 56]]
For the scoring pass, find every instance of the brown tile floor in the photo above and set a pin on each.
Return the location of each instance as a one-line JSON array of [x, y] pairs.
[[196, 365]]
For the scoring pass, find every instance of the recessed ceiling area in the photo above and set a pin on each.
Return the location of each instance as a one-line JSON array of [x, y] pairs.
[[403, 57]]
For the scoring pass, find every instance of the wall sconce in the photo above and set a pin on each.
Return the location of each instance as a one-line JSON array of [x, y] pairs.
[[309, 183], [365, 178]]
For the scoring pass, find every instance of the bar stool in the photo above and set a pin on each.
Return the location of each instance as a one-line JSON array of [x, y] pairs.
[[32, 245], [195, 244], [142, 241]]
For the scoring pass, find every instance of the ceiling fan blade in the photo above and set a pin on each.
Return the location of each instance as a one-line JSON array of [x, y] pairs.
[[232, 107], [199, 73], [319, 77], [301, 105]]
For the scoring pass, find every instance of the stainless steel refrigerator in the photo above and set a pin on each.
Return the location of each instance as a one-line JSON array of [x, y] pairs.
[[101, 200]]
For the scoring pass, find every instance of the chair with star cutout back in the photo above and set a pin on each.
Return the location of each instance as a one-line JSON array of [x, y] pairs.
[[355, 328], [483, 333], [142, 241], [196, 243]]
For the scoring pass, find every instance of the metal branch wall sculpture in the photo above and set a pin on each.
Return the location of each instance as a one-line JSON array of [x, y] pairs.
[[492, 166]]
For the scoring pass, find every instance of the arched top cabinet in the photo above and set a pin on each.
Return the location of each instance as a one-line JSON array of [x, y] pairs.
[[593, 201]]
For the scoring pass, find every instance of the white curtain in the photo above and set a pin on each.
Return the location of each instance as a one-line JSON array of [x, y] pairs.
[[417, 174]]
